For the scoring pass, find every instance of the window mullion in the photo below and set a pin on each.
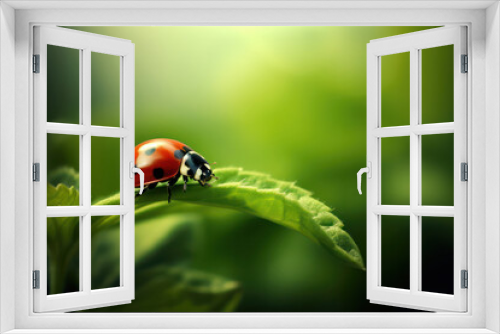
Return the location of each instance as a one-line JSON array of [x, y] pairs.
[[85, 158], [419, 164], [414, 172]]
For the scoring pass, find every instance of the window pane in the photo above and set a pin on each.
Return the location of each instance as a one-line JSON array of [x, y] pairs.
[[437, 254], [63, 85], [437, 84], [395, 251], [63, 255], [395, 174], [105, 250], [395, 99], [437, 169], [105, 90], [105, 168], [63, 165]]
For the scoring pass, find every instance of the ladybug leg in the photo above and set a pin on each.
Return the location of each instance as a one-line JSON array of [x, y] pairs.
[[185, 178], [169, 190], [204, 184], [170, 185]]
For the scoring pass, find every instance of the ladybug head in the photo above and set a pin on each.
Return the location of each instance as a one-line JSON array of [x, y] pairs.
[[196, 167]]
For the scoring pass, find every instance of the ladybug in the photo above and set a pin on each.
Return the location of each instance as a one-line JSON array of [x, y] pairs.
[[166, 160]]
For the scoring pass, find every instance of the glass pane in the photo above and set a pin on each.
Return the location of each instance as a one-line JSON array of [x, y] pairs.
[[437, 84], [63, 85], [437, 254], [105, 168], [395, 251], [63, 165], [437, 169], [395, 174], [105, 90], [105, 248], [395, 81], [63, 255]]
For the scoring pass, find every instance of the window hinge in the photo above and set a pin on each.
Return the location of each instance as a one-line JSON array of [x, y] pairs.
[[36, 279], [465, 64], [36, 63], [464, 279], [464, 168], [36, 172]]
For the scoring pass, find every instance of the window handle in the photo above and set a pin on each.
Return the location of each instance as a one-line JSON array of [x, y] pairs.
[[134, 170], [368, 171]]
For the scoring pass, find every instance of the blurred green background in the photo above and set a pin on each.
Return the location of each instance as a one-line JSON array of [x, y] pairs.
[[288, 101]]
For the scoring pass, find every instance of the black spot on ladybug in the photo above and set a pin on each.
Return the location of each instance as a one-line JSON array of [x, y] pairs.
[[150, 151], [178, 154], [158, 173]]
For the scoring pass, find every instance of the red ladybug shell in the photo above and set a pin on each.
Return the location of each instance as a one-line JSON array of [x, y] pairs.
[[159, 159]]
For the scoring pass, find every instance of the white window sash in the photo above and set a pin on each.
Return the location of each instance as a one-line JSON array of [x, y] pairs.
[[86, 43], [414, 297]]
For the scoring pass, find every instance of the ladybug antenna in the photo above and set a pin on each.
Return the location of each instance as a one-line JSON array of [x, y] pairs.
[[213, 163]]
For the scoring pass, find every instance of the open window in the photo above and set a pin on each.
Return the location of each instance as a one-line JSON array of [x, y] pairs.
[[400, 182], [397, 159], [82, 127]]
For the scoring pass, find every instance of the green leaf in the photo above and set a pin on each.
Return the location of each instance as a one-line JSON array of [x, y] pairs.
[[65, 175], [280, 202], [62, 195], [62, 241], [166, 240], [164, 246], [177, 289], [171, 240], [258, 194]]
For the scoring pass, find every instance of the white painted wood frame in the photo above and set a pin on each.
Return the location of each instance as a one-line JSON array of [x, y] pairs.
[[414, 43], [483, 20], [85, 43]]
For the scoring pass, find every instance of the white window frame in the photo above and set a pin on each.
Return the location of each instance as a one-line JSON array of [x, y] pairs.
[[414, 43], [85, 43], [483, 21]]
